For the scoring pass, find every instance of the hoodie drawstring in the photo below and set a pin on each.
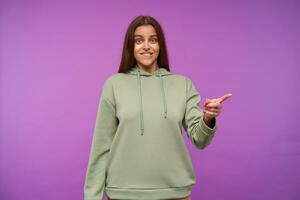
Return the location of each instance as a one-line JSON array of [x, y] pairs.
[[163, 93], [141, 104], [141, 101]]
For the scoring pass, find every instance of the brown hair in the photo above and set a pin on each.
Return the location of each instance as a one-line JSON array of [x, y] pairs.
[[128, 61]]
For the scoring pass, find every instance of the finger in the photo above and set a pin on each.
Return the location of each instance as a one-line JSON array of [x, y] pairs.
[[213, 105], [216, 113], [207, 113], [216, 110], [223, 98], [207, 101], [210, 114]]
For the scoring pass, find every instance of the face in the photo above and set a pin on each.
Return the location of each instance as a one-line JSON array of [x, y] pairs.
[[146, 47]]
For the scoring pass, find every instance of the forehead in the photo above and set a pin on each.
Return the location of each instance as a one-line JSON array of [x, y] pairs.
[[145, 30]]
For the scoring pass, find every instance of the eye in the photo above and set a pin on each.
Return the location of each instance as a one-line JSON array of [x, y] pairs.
[[138, 41], [154, 40]]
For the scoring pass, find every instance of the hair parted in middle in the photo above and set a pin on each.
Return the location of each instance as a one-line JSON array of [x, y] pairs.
[[128, 61]]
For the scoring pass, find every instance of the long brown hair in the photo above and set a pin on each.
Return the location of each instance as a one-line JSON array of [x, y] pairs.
[[128, 61]]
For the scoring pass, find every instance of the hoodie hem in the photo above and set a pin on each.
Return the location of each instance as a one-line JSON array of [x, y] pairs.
[[143, 194]]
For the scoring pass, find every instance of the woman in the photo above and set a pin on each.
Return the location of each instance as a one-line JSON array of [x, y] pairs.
[[138, 151]]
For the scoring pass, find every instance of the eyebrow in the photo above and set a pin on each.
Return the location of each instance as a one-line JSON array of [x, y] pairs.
[[142, 36]]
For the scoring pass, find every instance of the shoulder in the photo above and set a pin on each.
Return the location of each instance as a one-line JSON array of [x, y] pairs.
[[112, 79], [177, 77], [182, 78], [188, 82]]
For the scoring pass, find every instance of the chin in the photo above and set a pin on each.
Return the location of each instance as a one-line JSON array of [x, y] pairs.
[[147, 64]]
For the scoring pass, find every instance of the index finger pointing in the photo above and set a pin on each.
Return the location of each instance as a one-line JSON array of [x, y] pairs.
[[223, 98]]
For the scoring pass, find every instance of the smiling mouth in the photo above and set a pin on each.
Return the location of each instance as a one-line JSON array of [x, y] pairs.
[[148, 53]]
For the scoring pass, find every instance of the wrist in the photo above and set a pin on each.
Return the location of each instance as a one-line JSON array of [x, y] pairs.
[[208, 121]]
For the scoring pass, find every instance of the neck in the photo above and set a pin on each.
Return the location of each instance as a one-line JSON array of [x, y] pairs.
[[149, 69]]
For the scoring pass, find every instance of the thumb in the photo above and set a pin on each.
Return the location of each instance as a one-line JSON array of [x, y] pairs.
[[207, 101]]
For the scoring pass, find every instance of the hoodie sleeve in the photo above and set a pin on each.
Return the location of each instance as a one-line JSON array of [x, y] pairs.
[[198, 132], [104, 130]]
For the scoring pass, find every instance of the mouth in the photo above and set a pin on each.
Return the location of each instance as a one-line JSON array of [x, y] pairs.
[[146, 53]]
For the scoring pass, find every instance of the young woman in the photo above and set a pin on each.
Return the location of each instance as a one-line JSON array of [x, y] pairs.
[[138, 151]]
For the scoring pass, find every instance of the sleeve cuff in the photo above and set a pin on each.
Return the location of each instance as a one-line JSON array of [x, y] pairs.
[[206, 129]]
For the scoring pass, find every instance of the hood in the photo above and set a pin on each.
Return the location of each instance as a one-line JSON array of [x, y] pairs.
[[160, 72]]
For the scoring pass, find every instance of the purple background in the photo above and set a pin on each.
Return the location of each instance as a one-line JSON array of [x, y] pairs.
[[55, 56]]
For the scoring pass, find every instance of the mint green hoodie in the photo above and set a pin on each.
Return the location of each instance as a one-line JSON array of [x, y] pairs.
[[138, 150]]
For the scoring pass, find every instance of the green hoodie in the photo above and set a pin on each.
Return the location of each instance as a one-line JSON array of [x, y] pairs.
[[138, 150]]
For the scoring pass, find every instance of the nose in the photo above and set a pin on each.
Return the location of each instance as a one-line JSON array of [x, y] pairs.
[[146, 46]]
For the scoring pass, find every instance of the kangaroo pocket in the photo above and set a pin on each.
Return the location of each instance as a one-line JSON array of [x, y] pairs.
[[159, 159]]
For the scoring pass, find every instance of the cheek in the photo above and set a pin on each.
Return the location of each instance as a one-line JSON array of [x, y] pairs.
[[157, 49], [157, 53], [136, 49], [136, 52]]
